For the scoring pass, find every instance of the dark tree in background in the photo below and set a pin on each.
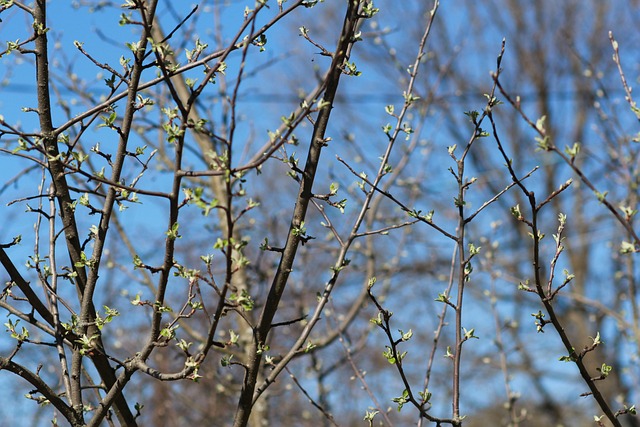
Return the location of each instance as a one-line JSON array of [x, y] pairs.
[[303, 212]]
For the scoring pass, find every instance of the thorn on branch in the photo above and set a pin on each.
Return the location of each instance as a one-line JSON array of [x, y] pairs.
[[288, 322]]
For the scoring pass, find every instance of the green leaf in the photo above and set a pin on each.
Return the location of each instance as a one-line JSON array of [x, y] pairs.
[[137, 262], [333, 188], [310, 346], [260, 41], [84, 199], [133, 46], [368, 11], [369, 416], [243, 299], [111, 82], [627, 247], [605, 370], [401, 400], [515, 211], [84, 261], [108, 121], [628, 211], [351, 69], [377, 320], [409, 98], [299, 231], [468, 334], [184, 345], [573, 150], [473, 116], [172, 233], [473, 250], [425, 395], [388, 354], [448, 354], [233, 337], [169, 332], [543, 143], [442, 297], [601, 196], [226, 360], [406, 336], [22, 146]]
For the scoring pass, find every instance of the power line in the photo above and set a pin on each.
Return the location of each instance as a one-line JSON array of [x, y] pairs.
[[352, 98]]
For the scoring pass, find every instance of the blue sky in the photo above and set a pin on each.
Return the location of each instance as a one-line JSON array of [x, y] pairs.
[[289, 65]]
